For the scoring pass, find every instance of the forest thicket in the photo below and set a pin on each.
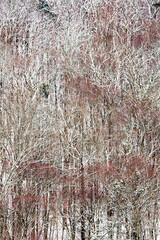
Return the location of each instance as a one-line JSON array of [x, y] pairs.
[[79, 120]]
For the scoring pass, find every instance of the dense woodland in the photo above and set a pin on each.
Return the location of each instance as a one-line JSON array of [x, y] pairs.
[[79, 120]]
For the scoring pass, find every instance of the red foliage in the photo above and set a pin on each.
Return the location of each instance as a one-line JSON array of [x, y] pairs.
[[84, 183], [93, 93], [27, 199], [123, 23], [92, 182], [40, 170], [141, 110], [148, 37]]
